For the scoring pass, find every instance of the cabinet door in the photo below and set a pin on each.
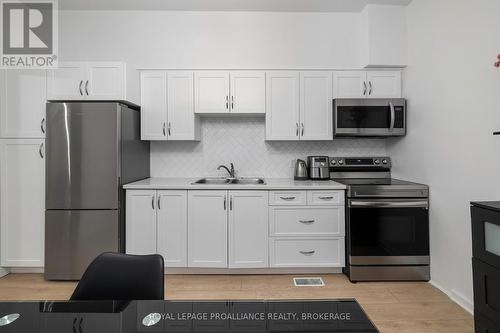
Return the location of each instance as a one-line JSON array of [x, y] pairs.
[[316, 106], [172, 227], [282, 106], [182, 122], [67, 82], [154, 105], [349, 84], [105, 81], [211, 91], [101, 323], [248, 229], [22, 202], [384, 84], [140, 222], [248, 92], [22, 108], [54, 322], [207, 229]]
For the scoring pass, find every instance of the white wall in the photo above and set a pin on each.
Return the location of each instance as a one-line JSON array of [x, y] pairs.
[[453, 95]]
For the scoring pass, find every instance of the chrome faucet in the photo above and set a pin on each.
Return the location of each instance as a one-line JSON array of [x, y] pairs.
[[229, 171]]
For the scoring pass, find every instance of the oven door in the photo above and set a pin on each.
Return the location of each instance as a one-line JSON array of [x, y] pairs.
[[369, 117], [388, 231]]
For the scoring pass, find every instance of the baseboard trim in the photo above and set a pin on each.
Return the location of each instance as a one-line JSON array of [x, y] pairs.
[[456, 297], [26, 270], [252, 271], [3, 272]]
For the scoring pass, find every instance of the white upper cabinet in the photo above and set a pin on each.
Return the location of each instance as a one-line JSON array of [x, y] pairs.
[[153, 105], [140, 222], [248, 229], [22, 108], [182, 124], [171, 208], [211, 92], [207, 229], [87, 80], [384, 84], [282, 106], [22, 202], [248, 92], [367, 84], [316, 106]]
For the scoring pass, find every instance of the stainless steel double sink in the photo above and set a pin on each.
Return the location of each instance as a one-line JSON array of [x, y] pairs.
[[230, 181]]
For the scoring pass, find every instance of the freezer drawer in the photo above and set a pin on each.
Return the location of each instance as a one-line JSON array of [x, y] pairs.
[[73, 238]]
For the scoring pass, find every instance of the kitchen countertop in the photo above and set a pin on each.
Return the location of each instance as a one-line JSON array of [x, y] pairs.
[[271, 184]]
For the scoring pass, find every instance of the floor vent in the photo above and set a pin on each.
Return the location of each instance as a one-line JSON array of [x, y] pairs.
[[308, 282]]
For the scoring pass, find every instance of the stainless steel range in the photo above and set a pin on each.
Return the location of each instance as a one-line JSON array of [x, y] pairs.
[[387, 221]]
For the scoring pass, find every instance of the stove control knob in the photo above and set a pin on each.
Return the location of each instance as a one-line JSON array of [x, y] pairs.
[[384, 161], [333, 162], [377, 162], [341, 162]]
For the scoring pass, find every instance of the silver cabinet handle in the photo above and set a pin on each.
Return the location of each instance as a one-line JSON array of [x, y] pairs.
[[225, 202], [231, 202], [42, 125], [87, 87], [158, 202], [326, 198], [307, 253], [393, 116], [306, 221], [40, 150], [153, 202], [169, 126], [302, 134], [80, 87], [296, 129], [371, 87], [232, 102], [364, 88], [287, 198], [227, 102], [163, 128], [74, 324]]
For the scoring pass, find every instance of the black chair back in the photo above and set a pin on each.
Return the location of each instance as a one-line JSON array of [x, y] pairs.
[[118, 276]]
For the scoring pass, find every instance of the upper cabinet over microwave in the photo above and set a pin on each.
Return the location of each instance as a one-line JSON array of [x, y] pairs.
[[367, 84], [369, 117]]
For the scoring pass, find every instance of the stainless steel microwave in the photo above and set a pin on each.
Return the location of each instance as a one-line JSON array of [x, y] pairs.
[[369, 117]]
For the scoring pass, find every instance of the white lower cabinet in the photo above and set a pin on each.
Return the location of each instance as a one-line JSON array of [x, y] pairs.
[[22, 202], [140, 222]]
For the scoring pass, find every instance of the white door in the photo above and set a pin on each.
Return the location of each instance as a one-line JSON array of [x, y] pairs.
[[384, 84], [182, 122], [211, 90], [248, 92], [140, 222], [349, 84], [172, 227], [22, 109], [316, 106], [248, 229], [207, 229], [282, 106], [67, 82], [154, 105], [22, 202], [105, 81]]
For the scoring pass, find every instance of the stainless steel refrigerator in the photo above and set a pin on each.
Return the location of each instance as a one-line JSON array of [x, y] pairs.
[[92, 149]]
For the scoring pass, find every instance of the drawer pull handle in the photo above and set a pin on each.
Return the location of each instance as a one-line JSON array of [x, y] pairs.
[[287, 198], [307, 253], [306, 221], [326, 198]]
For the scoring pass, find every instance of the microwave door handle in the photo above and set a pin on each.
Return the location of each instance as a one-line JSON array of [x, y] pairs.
[[393, 116]]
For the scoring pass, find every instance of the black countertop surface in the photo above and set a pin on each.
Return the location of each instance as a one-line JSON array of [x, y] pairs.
[[493, 205]]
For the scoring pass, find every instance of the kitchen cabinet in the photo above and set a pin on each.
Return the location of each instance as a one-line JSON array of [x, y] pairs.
[[367, 84], [20, 116], [82, 323], [299, 106], [87, 81], [248, 229], [167, 111], [207, 228], [156, 222], [22, 202], [230, 92]]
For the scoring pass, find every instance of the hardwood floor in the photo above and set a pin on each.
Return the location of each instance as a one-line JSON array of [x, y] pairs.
[[409, 307]]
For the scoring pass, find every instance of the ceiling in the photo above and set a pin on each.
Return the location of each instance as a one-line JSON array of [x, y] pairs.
[[228, 5]]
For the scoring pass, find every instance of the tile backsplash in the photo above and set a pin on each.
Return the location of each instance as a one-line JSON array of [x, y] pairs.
[[241, 140]]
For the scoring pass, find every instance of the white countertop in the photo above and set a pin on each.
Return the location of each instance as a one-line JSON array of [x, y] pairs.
[[271, 184]]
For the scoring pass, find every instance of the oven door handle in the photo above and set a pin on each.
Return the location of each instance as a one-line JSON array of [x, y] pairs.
[[389, 204]]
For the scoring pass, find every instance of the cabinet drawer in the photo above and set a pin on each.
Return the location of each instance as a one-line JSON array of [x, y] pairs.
[[307, 221], [287, 197], [325, 198], [324, 252]]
